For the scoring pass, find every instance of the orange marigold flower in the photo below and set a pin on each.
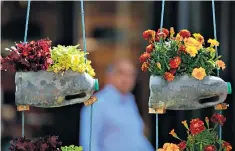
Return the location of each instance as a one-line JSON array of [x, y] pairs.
[[149, 35], [169, 147], [220, 64], [227, 146], [199, 37], [210, 148], [199, 73], [169, 76], [144, 66], [158, 65], [178, 38], [144, 57], [184, 33], [182, 145], [213, 42], [218, 119], [175, 62], [196, 126], [149, 48]]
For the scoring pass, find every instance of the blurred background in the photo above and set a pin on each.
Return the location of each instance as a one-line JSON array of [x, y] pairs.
[[113, 29]]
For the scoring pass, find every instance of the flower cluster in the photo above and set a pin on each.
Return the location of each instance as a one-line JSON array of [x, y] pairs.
[[43, 144], [70, 57], [200, 136], [168, 55], [32, 56]]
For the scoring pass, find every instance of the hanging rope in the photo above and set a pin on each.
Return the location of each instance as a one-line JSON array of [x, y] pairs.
[[215, 37], [25, 40], [161, 26], [84, 45]]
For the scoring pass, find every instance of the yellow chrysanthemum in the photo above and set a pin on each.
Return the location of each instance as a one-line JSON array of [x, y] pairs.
[[192, 51], [199, 73], [178, 38], [191, 42], [213, 42]]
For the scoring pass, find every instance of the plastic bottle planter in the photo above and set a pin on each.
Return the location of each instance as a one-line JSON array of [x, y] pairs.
[[47, 89], [187, 93]]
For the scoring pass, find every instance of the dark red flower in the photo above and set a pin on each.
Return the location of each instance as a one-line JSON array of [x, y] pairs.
[[218, 119], [175, 62], [182, 48], [144, 57], [149, 35], [182, 145], [210, 148], [196, 126], [184, 33], [164, 33]]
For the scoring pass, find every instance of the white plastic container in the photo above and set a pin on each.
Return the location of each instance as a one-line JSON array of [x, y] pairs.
[[187, 93], [47, 89]]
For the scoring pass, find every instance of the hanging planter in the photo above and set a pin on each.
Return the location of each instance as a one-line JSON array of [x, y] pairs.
[[48, 77], [181, 69]]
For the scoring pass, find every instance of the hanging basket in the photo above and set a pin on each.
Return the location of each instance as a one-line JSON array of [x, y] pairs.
[[187, 93], [47, 89]]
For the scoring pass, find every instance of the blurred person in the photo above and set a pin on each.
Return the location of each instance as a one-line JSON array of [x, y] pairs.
[[117, 124]]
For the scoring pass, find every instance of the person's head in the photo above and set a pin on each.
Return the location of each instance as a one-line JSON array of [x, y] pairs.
[[122, 75]]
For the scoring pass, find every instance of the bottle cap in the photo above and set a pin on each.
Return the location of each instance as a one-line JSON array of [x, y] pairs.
[[229, 86], [96, 85]]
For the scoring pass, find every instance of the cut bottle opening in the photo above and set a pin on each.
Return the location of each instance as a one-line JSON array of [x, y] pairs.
[[75, 96], [209, 99]]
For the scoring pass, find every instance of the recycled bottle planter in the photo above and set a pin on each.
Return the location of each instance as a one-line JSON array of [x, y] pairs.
[[187, 93], [47, 89]]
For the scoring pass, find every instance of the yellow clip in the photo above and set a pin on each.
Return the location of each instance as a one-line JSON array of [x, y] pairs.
[[92, 100], [222, 106], [157, 111], [23, 108]]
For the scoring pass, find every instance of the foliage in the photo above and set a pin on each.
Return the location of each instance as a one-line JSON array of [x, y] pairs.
[[70, 58], [200, 137], [169, 56], [71, 148], [48, 143], [32, 56]]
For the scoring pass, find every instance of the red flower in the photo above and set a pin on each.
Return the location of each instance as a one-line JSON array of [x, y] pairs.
[[175, 62], [182, 48], [227, 146], [184, 33], [169, 76], [164, 32], [210, 148], [149, 48], [149, 35], [144, 66], [196, 126], [182, 145], [218, 119], [144, 57]]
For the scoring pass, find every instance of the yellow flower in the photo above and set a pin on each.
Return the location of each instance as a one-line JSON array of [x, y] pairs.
[[172, 32], [178, 38], [220, 64], [210, 49], [192, 51], [185, 124], [191, 42], [199, 37], [207, 121], [199, 73], [213, 42], [158, 65]]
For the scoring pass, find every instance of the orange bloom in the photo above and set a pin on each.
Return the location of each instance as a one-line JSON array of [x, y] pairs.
[[199, 37], [178, 38], [149, 35], [172, 132], [227, 146], [169, 147], [199, 73], [175, 62], [149, 48], [185, 124], [185, 33], [144, 57], [220, 64], [169, 76], [144, 66]]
